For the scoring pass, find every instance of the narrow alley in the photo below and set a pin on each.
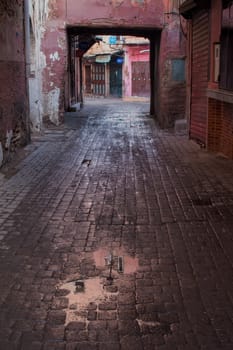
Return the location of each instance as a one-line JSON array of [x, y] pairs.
[[116, 235]]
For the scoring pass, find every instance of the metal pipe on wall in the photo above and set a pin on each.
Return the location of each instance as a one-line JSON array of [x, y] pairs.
[[27, 61]]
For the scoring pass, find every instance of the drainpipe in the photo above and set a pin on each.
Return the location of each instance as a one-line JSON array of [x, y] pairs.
[[27, 62], [81, 81], [190, 63], [152, 76]]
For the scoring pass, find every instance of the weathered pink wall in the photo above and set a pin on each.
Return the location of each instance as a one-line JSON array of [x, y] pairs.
[[133, 54], [114, 12], [125, 14], [13, 93], [172, 94]]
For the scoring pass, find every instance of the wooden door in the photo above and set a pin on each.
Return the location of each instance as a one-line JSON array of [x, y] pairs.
[[141, 79], [88, 79], [98, 79]]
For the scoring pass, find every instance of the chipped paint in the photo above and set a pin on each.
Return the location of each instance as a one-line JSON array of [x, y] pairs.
[[138, 2], [53, 105], [54, 56], [9, 135], [117, 3], [38, 11]]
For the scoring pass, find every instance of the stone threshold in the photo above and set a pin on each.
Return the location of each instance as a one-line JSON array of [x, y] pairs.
[[221, 95]]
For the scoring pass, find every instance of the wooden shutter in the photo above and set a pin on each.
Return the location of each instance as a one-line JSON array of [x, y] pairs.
[[200, 76]]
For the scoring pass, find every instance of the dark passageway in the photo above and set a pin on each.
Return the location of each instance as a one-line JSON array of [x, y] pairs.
[[116, 235]]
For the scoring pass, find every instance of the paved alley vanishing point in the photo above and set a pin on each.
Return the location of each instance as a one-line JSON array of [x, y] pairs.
[[116, 235]]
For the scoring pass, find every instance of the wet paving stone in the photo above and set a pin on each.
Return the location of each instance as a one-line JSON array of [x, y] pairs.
[[110, 188]]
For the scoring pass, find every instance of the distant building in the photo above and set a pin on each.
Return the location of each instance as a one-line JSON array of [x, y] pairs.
[[118, 66]]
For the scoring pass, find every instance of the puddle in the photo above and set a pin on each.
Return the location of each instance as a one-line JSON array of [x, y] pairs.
[[130, 264]]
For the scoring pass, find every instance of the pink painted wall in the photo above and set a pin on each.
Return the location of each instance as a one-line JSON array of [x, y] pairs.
[[172, 94], [115, 12], [135, 14], [13, 93], [133, 54]]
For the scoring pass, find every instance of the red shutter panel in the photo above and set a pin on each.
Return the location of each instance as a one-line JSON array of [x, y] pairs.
[[200, 76]]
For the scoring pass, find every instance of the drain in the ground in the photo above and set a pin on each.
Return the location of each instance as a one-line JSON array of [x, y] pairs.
[[117, 261], [79, 286], [113, 262]]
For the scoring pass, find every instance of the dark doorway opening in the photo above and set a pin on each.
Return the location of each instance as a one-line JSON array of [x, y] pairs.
[[88, 78], [116, 76]]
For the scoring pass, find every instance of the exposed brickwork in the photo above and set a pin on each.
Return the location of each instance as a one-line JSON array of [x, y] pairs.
[[220, 127]]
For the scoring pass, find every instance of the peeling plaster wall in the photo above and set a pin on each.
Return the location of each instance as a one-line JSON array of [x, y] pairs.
[[52, 102], [13, 91], [38, 12], [55, 50], [116, 12], [107, 13]]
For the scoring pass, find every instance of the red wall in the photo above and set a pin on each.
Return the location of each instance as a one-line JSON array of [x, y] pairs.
[[13, 93]]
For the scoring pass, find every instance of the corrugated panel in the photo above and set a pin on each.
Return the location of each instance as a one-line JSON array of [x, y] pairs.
[[200, 71]]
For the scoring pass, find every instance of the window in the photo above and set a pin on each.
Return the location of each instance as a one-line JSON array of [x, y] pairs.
[[226, 61], [178, 69]]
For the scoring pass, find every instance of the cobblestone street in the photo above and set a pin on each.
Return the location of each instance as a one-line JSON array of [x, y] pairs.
[[116, 235]]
